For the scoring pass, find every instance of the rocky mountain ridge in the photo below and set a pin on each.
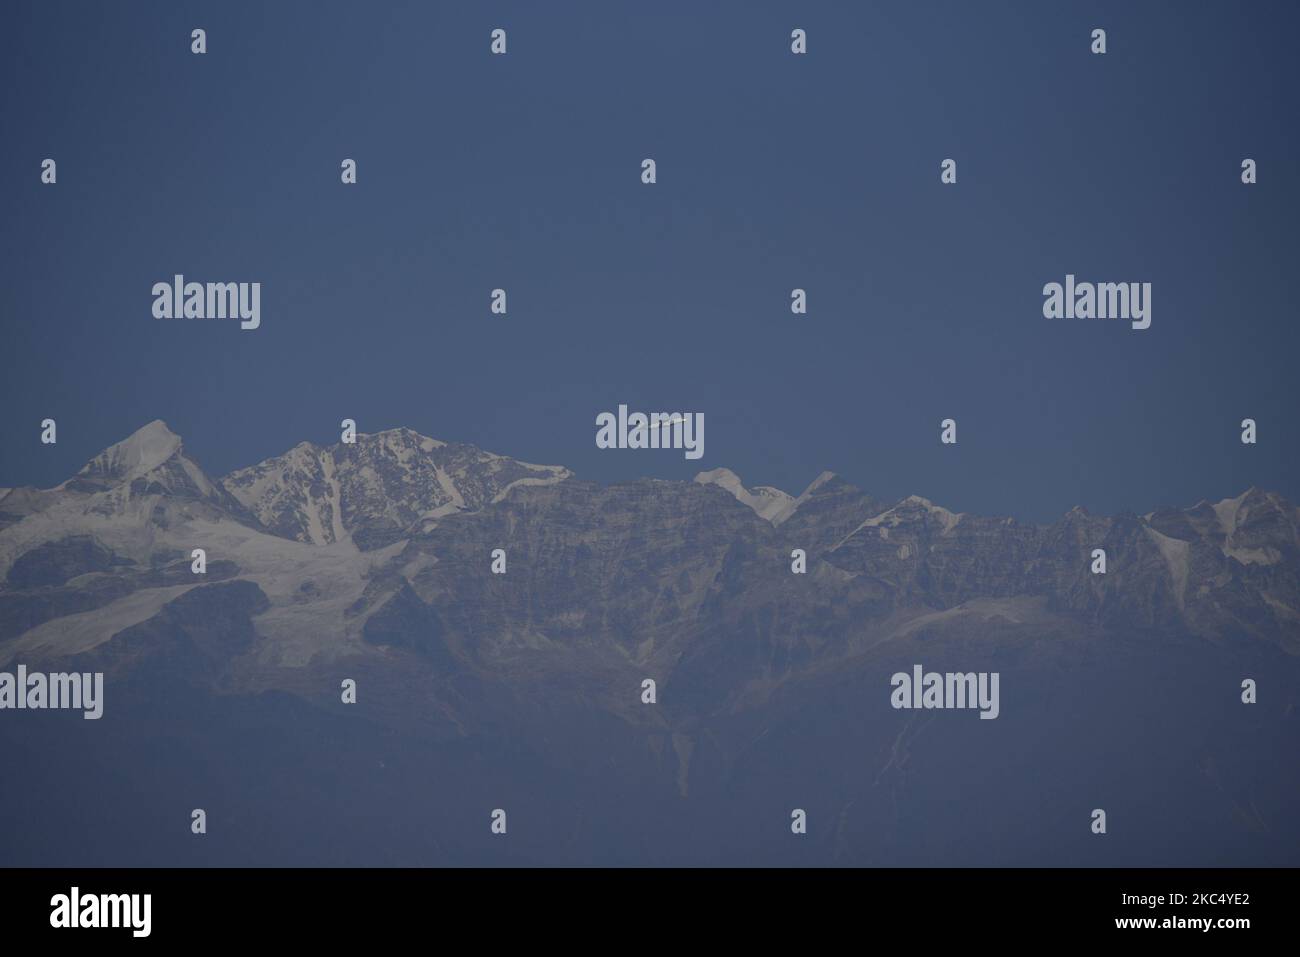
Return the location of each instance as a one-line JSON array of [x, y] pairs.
[[399, 529], [374, 562]]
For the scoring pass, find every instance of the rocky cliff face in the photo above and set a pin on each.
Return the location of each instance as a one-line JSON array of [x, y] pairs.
[[387, 543], [378, 490], [374, 561]]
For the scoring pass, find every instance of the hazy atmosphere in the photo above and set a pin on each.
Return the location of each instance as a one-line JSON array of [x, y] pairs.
[[775, 172], [649, 434]]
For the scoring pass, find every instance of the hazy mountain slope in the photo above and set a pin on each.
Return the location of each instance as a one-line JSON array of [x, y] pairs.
[[374, 561]]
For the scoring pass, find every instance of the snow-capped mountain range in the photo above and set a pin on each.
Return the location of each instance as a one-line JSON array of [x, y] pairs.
[[315, 528], [135, 512], [333, 515], [374, 561]]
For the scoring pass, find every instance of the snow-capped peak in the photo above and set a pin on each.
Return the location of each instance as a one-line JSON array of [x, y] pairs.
[[906, 513], [768, 503], [138, 454], [382, 487], [402, 437]]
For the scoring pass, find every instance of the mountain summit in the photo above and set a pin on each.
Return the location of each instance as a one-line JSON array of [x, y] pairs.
[[378, 489], [501, 620], [144, 450], [374, 542], [151, 462]]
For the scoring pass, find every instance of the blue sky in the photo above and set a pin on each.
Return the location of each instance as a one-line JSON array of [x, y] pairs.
[[775, 171]]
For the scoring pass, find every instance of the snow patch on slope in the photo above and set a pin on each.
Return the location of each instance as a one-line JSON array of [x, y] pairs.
[[768, 503], [1232, 514], [904, 512], [1175, 552], [1226, 512], [817, 483], [73, 634]]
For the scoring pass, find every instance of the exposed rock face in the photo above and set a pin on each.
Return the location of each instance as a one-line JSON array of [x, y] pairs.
[[374, 561], [648, 574], [197, 633], [54, 563], [378, 489]]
